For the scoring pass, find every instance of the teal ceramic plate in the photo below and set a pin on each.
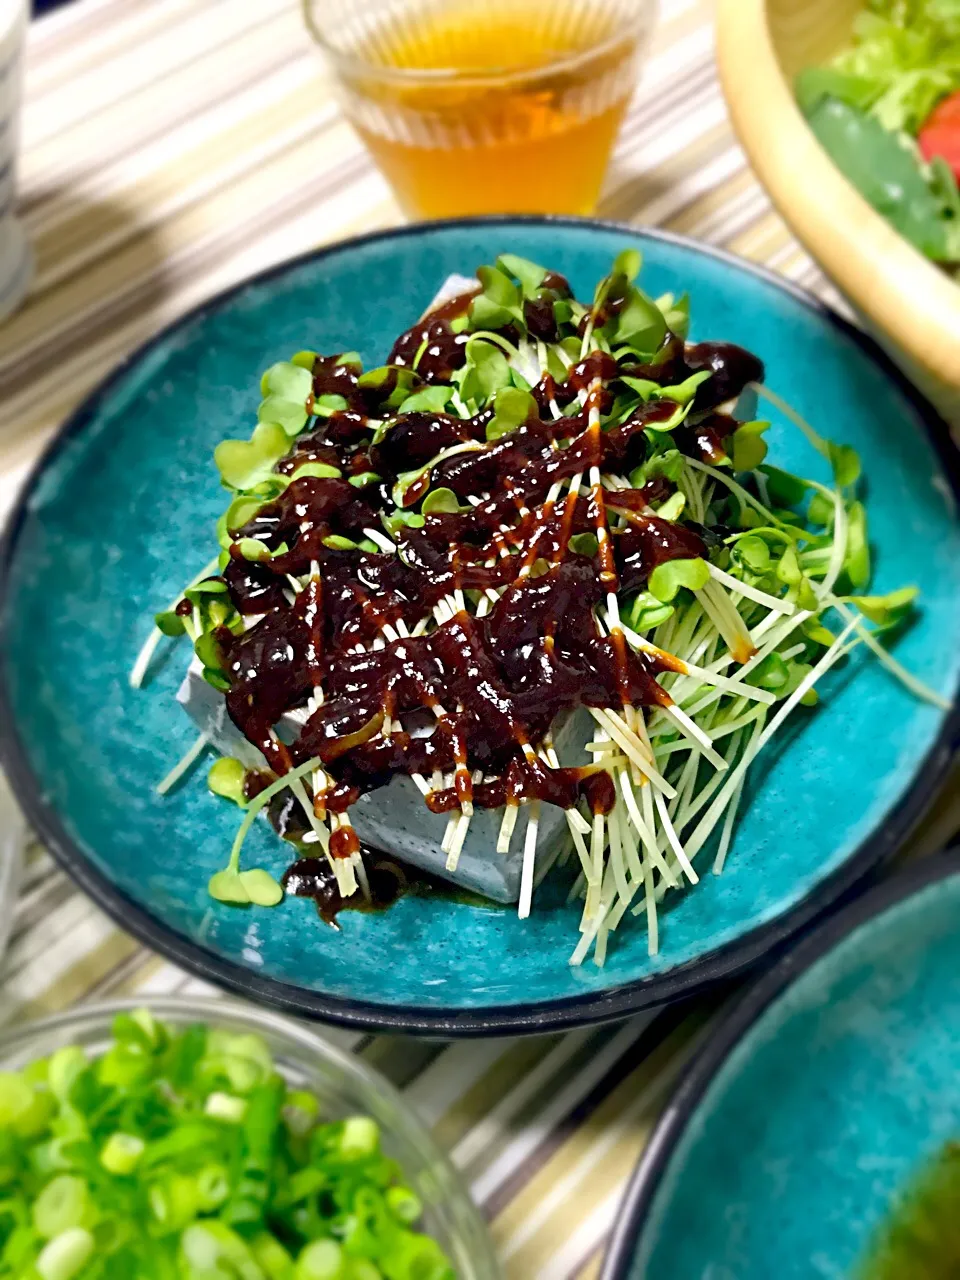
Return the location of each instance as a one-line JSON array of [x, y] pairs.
[[828, 1089], [105, 534]]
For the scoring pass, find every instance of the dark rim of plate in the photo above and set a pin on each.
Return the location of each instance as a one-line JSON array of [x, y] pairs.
[[517, 1019], [642, 1189]]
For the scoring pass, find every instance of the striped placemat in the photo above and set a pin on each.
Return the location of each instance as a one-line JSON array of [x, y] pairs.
[[170, 148]]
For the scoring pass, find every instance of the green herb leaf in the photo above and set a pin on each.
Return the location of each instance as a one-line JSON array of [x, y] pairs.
[[676, 312], [512, 408], [440, 501], [228, 886], [430, 400], [527, 272], [889, 609], [287, 381], [320, 470], [169, 623], [785, 490], [261, 888], [584, 544], [253, 549], [485, 373], [857, 563], [394, 383], [645, 611], [243, 464], [667, 579], [226, 778], [672, 509], [748, 448], [845, 463], [639, 324], [627, 263]]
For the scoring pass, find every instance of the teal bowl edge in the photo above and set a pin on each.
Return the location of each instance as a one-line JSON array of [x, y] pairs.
[[639, 1198], [680, 982]]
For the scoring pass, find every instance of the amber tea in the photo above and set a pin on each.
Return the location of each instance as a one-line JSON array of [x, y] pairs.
[[485, 108]]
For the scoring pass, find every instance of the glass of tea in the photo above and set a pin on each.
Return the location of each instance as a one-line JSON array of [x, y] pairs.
[[486, 106]]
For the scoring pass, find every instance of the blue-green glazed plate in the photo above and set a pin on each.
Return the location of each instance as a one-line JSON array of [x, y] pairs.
[[819, 1100], [107, 531]]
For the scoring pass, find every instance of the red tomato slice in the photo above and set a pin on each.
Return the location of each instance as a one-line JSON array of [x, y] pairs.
[[940, 135]]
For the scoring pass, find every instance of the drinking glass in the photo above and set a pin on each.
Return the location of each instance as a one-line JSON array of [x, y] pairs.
[[486, 106]]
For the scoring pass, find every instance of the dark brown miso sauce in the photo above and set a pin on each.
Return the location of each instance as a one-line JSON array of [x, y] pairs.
[[475, 691]]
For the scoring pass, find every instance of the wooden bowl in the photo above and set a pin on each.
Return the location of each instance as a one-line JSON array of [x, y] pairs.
[[913, 306]]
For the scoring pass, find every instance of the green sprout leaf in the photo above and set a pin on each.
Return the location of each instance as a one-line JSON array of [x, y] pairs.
[[584, 544], [288, 381], [676, 313], [771, 673], [886, 610], [857, 563], [814, 630], [748, 448], [289, 414], [499, 304], [398, 520], [363, 479], [440, 501], [321, 470], [245, 463], [429, 400], [528, 273], [845, 462], [326, 405], [485, 373], [201, 593], [253, 549], [169, 623], [645, 611], [228, 886], [240, 512], [672, 509], [627, 263], [303, 359], [336, 542], [785, 490], [638, 325], [821, 510], [512, 407], [261, 888], [788, 568], [684, 391], [753, 552], [667, 579], [226, 778], [394, 383]]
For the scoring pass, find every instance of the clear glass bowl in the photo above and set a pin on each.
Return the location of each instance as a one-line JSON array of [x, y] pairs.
[[344, 1085]]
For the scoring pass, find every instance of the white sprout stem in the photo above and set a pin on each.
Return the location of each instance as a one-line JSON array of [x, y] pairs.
[[632, 747], [507, 824], [182, 766], [139, 668], [887, 659], [729, 819], [587, 938], [695, 734], [529, 860], [773, 603], [760, 740]]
